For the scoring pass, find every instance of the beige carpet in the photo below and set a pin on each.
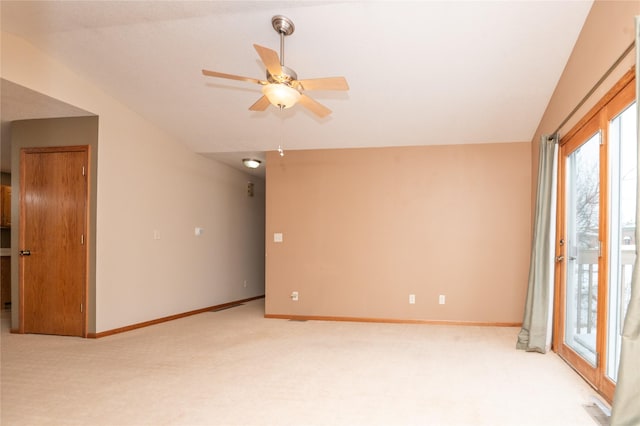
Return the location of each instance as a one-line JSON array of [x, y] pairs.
[[234, 367]]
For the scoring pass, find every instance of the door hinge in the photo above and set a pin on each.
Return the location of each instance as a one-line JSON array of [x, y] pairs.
[[599, 248], [597, 359], [82, 239], [83, 171], [82, 308]]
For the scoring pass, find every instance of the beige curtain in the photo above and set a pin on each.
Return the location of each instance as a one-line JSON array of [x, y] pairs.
[[537, 323], [626, 401]]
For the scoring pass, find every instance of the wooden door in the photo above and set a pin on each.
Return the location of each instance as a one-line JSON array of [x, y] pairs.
[[53, 246]]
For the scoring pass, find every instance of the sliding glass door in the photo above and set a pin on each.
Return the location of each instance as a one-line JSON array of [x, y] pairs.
[[623, 170], [595, 249], [583, 247]]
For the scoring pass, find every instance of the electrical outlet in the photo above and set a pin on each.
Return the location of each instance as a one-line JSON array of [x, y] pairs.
[[441, 299], [412, 299], [294, 296]]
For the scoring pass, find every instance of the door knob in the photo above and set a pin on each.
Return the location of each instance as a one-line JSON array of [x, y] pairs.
[[24, 252], [559, 258]]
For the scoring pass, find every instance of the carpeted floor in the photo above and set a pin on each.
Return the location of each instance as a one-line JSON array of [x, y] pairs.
[[234, 367]]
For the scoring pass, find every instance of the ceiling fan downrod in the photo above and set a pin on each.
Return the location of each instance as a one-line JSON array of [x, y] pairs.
[[284, 27]]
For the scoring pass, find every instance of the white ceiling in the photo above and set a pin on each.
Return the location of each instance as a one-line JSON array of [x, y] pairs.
[[420, 72]]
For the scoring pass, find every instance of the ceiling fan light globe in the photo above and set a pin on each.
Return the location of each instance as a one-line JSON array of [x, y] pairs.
[[281, 95]]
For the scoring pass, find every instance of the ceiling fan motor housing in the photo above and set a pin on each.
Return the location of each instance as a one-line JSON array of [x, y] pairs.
[[288, 75]]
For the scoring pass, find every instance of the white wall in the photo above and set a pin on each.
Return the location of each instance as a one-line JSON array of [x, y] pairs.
[[148, 181]]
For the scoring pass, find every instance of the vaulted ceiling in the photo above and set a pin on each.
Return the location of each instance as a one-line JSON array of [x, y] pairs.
[[420, 72]]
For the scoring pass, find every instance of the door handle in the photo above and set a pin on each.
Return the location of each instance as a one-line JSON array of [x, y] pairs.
[[559, 258], [24, 252]]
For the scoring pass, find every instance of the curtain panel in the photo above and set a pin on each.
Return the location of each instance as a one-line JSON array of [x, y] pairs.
[[537, 323], [626, 401]]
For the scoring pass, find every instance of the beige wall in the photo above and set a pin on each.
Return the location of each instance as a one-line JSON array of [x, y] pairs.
[[148, 181], [364, 228], [607, 32]]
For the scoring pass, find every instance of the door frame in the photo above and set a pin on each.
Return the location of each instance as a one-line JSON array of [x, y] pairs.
[[613, 102], [87, 235]]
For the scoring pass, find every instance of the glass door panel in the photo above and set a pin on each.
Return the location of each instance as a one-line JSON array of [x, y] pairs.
[[622, 240], [583, 248]]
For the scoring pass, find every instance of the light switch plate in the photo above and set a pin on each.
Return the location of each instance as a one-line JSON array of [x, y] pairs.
[[277, 237]]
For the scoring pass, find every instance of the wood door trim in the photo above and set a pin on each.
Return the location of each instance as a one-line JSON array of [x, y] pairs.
[[586, 370], [625, 80], [45, 149], [560, 250], [87, 240], [603, 261], [87, 198]]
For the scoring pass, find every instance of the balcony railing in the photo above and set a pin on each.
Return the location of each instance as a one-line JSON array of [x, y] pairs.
[[587, 292]]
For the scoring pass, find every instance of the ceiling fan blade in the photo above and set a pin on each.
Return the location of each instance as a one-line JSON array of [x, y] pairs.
[[232, 77], [328, 83], [269, 59], [314, 106], [260, 105]]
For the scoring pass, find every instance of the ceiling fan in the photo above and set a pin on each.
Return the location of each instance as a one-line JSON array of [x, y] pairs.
[[282, 87]]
